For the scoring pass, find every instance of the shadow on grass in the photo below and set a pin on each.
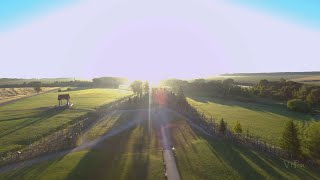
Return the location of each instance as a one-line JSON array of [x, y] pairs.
[[277, 109], [33, 172], [41, 116], [250, 164], [124, 156]]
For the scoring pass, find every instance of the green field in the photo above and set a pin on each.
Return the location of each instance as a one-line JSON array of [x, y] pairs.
[[264, 120], [132, 154], [27, 120], [202, 157]]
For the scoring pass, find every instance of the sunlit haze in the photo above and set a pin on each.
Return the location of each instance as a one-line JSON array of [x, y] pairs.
[[156, 40]]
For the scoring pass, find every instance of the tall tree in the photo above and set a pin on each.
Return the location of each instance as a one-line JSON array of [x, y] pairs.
[[37, 87], [227, 84], [136, 87], [180, 96], [146, 87], [290, 139]]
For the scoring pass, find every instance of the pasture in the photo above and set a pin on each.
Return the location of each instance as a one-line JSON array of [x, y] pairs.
[[264, 120], [134, 153], [27, 120], [203, 157]]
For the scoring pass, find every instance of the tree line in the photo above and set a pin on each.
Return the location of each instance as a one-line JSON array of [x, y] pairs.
[[299, 97], [103, 82]]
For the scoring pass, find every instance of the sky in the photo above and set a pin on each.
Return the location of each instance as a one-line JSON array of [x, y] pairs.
[[153, 40]]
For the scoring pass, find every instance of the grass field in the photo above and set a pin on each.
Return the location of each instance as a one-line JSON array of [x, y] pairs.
[[264, 120], [8, 94], [131, 154], [27, 120], [202, 157]]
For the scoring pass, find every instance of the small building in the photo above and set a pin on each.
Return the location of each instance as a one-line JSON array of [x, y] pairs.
[[64, 97]]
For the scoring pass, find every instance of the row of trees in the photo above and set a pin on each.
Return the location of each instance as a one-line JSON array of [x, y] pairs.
[[139, 87], [302, 141], [300, 97], [218, 88], [105, 82]]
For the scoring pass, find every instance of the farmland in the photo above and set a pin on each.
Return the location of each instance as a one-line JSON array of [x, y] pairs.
[[27, 120], [134, 153], [203, 157], [129, 143], [264, 120], [8, 94]]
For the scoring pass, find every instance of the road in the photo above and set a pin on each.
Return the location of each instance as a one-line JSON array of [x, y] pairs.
[[168, 154]]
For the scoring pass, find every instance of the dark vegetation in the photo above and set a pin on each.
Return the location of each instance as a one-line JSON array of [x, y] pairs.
[[102, 82], [312, 73], [306, 97]]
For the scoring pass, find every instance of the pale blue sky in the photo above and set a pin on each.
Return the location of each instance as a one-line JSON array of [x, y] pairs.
[[154, 40]]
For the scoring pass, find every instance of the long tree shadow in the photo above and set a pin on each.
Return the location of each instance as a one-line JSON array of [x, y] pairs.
[[277, 109], [123, 156], [33, 172], [41, 116], [250, 164]]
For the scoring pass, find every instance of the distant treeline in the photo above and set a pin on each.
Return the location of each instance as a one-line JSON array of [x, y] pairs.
[[308, 95], [107, 82], [312, 73]]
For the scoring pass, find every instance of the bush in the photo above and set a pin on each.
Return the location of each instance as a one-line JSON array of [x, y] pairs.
[[69, 89], [237, 128], [313, 140], [298, 105], [59, 90]]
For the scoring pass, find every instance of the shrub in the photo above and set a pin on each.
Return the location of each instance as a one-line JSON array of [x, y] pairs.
[[298, 105], [69, 89], [59, 90], [237, 128]]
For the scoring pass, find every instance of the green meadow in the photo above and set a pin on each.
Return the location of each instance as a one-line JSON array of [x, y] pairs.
[[24, 121], [264, 120], [203, 157]]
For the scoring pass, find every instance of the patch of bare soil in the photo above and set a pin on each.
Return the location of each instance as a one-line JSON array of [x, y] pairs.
[[8, 94]]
